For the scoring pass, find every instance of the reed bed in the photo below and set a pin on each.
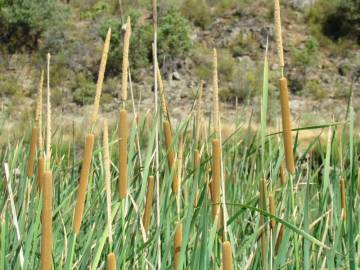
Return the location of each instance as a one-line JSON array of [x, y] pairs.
[[309, 219]]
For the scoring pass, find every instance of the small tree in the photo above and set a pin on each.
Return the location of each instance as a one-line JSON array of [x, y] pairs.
[[23, 22]]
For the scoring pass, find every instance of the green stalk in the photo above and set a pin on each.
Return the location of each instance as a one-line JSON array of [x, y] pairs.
[[71, 250]]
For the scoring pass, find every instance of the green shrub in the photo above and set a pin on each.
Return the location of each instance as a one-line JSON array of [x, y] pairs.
[[315, 89], [173, 40], [336, 19], [23, 22], [198, 12]]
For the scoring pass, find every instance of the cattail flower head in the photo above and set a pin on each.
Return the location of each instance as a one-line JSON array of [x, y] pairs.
[[125, 63], [84, 177], [148, 203], [343, 198], [216, 177], [100, 80], [48, 114], [286, 124], [227, 256], [162, 94], [46, 226], [177, 245], [216, 96], [39, 105], [107, 178], [198, 113], [123, 152], [278, 33], [111, 261]]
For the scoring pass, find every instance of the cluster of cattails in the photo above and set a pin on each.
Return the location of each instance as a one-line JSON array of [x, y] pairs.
[[284, 94], [88, 149]]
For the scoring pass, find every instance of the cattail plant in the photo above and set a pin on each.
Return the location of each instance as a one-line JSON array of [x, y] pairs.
[[272, 210], [46, 215], [262, 205], [111, 259], [284, 94], [87, 155], [31, 161], [46, 226], [39, 127], [123, 115], [148, 203], [177, 245], [167, 132], [197, 137], [227, 256], [216, 147], [358, 181], [343, 198], [282, 175]]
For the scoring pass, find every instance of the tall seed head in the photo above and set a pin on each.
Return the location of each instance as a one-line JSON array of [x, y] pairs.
[[177, 245], [46, 226], [227, 260], [216, 96], [123, 152], [148, 203], [216, 177], [278, 33], [286, 125], [100, 80], [162, 95], [125, 63], [39, 106], [198, 113], [84, 178], [107, 178], [48, 115]]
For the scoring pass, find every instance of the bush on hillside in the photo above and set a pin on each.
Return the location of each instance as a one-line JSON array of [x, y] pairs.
[[173, 40], [23, 22]]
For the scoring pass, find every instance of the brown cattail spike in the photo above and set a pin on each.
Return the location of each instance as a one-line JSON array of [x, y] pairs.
[[170, 154], [46, 227], [40, 173], [107, 178], [272, 210], [123, 153], [216, 177], [125, 63], [148, 203], [343, 198], [227, 256], [84, 178], [111, 261], [177, 245], [278, 33], [30, 165], [286, 122]]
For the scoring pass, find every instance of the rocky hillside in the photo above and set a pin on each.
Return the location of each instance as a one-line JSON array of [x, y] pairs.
[[321, 71]]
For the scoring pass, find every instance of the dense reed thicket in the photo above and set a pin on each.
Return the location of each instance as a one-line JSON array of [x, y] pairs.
[[184, 196]]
